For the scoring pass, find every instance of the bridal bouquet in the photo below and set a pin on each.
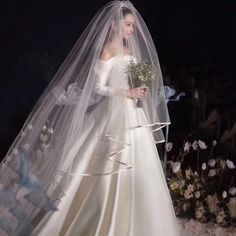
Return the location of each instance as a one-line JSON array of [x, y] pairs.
[[140, 74]]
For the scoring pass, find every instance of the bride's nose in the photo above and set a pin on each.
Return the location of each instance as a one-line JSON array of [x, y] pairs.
[[131, 29]]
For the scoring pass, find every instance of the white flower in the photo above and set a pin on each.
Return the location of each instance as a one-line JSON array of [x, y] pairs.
[[176, 167], [204, 166], [230, 164], [29, 126], [195, 145], [202, 145], [187, 146], [224, 194], [50, 130], [44, 127], [232, 191], [212, 172], [169, 146], [214, 143], [212, 163]]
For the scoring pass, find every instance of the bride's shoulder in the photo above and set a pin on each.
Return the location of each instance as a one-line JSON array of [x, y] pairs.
[[106, 55]]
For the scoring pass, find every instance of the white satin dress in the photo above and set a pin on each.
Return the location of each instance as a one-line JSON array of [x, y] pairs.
[[135, 202]]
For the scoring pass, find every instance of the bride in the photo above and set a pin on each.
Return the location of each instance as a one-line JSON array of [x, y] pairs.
[[85, 162]]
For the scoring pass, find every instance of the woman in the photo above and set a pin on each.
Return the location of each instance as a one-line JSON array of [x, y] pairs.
[[85, 162]]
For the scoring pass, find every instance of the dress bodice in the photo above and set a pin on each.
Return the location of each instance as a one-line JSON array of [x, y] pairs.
[[111, 75]]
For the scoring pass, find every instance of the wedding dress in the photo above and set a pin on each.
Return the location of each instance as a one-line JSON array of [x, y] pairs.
[[134, 202], [85, 162]]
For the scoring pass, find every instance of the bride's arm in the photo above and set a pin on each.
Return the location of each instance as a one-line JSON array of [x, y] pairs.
[[101, 85], [102, 88]]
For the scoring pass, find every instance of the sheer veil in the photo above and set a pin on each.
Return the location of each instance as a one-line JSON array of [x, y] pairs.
[[50, 148]]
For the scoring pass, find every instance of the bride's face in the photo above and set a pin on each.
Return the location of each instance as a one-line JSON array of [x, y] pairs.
[[127, 26]]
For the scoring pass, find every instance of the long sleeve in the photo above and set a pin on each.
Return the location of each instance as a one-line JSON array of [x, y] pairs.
[[103, 70]]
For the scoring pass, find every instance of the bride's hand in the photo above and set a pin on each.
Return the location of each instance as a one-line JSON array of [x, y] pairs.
[[139, 92]]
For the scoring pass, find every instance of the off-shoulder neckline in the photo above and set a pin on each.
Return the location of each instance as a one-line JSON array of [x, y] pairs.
[[114, 57]]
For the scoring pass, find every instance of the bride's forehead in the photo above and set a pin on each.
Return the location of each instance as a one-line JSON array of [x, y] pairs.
[[128, 18]]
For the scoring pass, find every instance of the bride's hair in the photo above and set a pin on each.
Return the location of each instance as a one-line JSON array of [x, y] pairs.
[[123, 12]]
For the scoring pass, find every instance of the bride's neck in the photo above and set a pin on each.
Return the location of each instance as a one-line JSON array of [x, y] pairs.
[[114, 44]]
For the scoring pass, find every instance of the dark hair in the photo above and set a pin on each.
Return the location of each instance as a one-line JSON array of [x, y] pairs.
[[126, 11]]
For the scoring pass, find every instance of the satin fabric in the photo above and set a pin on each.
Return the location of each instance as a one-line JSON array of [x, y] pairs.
[[134, 202]]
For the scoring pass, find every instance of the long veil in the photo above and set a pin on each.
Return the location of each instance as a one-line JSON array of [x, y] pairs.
[[49, 151]]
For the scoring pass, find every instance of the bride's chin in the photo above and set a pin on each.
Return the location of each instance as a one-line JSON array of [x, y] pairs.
[[126, 37]]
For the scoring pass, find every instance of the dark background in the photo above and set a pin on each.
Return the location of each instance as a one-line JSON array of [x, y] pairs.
[[195, 41]]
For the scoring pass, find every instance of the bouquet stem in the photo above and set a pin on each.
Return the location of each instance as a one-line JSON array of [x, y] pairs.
[[140, 100]]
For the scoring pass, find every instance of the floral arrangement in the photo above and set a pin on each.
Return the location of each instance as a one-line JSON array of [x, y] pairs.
[[140, 74], [207, 194]]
